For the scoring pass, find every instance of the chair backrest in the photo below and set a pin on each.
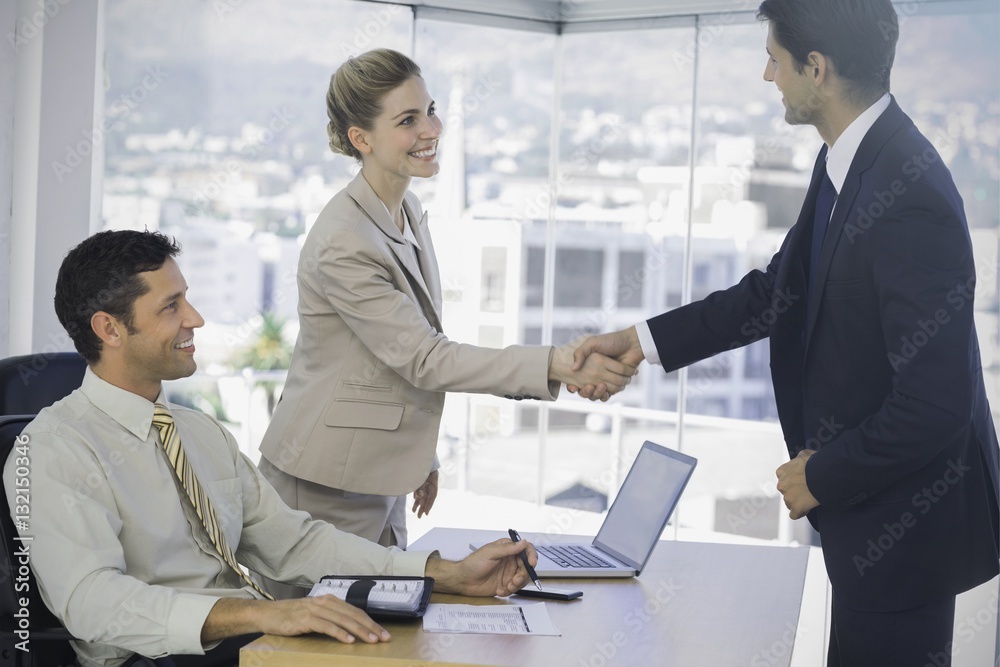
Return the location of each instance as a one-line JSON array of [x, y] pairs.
[[47, 639], [34, 381]]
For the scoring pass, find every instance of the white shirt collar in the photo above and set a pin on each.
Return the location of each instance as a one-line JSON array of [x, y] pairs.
[[407, 231], [841, 154], [132, 411]]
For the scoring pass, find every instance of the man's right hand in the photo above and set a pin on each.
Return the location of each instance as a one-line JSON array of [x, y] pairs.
[[621, 345], [328, 615]]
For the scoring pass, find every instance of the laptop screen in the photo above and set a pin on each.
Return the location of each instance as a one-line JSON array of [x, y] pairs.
[[644, 504]]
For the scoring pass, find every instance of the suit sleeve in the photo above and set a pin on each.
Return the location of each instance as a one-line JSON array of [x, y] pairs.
[[724, 320], [923, 273], [354, 278]]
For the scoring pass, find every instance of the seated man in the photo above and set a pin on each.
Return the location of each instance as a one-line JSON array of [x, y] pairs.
[[141, 513]]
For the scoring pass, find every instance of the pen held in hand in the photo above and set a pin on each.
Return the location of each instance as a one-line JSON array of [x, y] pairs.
[[524, 559]]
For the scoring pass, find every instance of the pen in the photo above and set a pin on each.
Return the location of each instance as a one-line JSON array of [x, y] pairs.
[[524, 559]]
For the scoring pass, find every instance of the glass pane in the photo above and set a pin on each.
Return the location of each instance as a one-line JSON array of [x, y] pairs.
[[751, 176], [622, 186], [494, 92]]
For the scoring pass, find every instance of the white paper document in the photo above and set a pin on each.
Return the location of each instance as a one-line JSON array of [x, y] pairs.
[[512, 619]]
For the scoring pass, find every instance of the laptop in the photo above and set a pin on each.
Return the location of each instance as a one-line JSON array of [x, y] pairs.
[[632, 526]]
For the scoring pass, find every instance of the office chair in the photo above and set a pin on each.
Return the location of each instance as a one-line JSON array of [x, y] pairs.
[[34, 381], [48, 642], [28, 384]]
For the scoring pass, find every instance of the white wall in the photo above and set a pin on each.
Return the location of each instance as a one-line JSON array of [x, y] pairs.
[[8, 20], [57, 96]]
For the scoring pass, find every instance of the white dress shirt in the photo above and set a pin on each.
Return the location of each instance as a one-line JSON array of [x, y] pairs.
[[838, 163], [118, 552]]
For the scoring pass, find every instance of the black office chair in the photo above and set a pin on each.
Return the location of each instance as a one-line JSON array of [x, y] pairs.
[[47, 640], [28, 384], [34, 381]]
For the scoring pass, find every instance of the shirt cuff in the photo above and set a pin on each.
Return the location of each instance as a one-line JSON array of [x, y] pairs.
[[185, 622], [409, 563], [646, 343]]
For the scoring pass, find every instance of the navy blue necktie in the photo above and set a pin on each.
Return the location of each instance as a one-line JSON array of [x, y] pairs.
[[821, 220]]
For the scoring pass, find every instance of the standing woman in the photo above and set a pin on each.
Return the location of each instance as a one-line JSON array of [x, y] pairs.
[[357, 425]]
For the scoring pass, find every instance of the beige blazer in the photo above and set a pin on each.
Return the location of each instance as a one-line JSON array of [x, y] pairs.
[[362, 404]]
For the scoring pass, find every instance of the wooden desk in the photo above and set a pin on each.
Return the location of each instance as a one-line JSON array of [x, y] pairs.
[[695, 604]]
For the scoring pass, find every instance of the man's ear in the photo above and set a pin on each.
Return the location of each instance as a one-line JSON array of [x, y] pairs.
[[359, 139], [108, 328], [818, 67]]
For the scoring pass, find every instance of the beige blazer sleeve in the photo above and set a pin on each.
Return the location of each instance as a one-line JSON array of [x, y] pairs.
[[362, 404]]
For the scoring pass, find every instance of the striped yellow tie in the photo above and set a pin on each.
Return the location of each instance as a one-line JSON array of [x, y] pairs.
[[171, 441]]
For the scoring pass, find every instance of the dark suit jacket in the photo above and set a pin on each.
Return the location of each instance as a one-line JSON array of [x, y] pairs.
[[877, 367]]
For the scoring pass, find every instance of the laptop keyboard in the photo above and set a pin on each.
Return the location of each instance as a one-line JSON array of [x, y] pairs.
[[573, 556]]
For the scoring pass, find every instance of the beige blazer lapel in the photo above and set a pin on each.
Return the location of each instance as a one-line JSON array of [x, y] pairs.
[[365, 196], [428, 258]]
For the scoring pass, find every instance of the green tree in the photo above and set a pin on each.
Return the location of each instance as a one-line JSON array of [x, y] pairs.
[[268, 352]]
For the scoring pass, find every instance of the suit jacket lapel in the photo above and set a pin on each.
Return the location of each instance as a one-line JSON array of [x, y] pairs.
[[868, 151], [365, 196], [430, 273]]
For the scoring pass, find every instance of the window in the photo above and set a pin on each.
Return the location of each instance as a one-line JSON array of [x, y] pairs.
[[228, 152], [581, 274], [632, 276], [494, 278]]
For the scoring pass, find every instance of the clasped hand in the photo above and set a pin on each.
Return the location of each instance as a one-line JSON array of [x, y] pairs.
[[605, 375], [597, 351]]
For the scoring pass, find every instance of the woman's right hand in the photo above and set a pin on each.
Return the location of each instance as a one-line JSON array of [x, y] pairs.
[[609, 376]]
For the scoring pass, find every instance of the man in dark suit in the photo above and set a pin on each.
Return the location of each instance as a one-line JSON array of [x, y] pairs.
[[874, 356]]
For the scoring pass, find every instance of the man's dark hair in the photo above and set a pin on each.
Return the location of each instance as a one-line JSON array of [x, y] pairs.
[[102, 274], [859, 36]]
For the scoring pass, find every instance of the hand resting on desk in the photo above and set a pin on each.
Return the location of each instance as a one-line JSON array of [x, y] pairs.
[[494, 569]]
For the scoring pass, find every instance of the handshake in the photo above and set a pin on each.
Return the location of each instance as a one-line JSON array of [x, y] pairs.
[[598, 367]]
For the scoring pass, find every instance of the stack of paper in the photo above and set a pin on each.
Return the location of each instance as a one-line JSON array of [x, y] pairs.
[[513, 619]]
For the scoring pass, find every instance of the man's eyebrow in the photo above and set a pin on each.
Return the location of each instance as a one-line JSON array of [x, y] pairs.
[[172, 297]]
